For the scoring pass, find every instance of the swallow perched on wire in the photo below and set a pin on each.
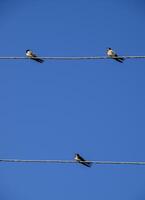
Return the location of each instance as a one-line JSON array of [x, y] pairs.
[[32, 56], [113, 55], [82, 161]]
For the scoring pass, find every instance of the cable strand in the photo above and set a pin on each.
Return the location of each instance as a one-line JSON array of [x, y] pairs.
[[72, 161], [70, 58]]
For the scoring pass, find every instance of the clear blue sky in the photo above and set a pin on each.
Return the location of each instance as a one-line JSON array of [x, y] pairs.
[[52, 110]]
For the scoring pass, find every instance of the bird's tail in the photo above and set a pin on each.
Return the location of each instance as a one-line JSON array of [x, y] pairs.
[[87, 164], [119, 59], [39, 60]]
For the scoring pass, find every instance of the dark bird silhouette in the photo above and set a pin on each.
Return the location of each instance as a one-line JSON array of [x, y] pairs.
[[32, 56], [113, 55], [82, 161]]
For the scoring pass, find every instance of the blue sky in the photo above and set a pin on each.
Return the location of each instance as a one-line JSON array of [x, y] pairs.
[[55, 109]]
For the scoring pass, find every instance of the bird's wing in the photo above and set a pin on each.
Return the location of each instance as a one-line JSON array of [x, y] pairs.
[[34, 55], [81, 158], [116, 55]]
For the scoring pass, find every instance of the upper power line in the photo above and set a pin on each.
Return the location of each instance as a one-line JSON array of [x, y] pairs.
[[70, 57], [72, 162]]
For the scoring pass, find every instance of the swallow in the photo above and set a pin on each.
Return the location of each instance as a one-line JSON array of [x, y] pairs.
[[82, 161], [112, 54], [32, 56]]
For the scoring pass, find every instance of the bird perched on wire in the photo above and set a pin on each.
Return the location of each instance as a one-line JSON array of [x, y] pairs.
[[32, 56], [82, 161], [112, 54]]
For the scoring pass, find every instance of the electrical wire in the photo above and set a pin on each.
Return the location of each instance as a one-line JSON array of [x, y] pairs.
[[71, 161], [70, 58]]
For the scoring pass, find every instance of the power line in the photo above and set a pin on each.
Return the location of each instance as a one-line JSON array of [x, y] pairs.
[[70, 161], [70, 58]]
